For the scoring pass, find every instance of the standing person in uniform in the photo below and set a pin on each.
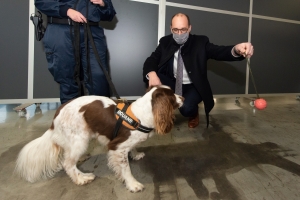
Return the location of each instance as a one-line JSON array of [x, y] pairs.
[[71, 59], [180, 61]]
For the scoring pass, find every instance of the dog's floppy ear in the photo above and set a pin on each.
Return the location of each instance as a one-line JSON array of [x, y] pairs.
[[163, 110]]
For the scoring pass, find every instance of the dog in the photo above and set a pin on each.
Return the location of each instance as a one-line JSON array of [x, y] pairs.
[[78, 121]]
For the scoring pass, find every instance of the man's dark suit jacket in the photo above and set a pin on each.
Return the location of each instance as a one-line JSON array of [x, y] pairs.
[[195, 53]]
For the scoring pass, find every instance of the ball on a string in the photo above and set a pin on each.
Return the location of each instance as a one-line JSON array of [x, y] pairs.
[[260, 104]]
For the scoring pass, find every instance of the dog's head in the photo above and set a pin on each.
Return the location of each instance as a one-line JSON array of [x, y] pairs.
[[164, 101]]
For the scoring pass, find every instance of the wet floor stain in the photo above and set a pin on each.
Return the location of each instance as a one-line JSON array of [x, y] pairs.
[[215, 157]]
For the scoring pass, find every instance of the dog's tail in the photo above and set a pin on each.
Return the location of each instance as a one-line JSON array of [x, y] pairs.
[[40, 158]]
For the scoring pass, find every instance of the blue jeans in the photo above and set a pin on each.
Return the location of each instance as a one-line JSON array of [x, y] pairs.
[[191, 96]]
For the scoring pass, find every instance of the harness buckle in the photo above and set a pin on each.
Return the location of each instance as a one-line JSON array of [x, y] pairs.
[[137, 125]]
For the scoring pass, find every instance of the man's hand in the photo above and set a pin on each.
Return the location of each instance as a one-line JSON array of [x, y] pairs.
[[76, 16], [153, 79], [244, 49], [100, 2]]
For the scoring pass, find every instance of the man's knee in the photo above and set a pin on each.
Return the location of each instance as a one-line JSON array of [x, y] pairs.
[[189, 110]]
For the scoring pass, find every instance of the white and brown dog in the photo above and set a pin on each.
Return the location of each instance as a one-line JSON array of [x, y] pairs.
[[80, 120]]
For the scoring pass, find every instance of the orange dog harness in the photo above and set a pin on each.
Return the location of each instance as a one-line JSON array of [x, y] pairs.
[[125, 117]]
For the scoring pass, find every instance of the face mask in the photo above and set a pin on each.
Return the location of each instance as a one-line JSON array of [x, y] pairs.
[[182, 38]]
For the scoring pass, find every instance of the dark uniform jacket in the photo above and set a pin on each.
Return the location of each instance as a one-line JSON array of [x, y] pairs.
[[54, 8], [195, 53]]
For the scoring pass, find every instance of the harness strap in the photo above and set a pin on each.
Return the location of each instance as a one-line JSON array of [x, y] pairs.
[[144, 129], [119, 122]]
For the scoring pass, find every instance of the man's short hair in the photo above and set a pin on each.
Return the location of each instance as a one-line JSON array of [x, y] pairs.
[[180, 14]]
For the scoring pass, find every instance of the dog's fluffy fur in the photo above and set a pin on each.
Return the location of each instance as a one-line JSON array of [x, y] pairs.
[[78, 121]]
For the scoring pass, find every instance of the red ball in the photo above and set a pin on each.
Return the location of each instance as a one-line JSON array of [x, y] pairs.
[[260, 104]]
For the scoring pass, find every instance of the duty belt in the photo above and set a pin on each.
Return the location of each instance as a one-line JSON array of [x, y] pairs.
[[67, 21]]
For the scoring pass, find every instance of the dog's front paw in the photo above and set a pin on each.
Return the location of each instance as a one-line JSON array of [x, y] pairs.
[[138, 156], [135, 187], [84, 178]]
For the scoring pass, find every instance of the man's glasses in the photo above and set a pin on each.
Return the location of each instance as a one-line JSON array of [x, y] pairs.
[[176, 30]]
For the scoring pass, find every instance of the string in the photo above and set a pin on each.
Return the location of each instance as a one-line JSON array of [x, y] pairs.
[[252, 78]]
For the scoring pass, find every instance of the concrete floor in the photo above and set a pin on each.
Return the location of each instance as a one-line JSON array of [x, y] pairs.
[[244, 154]]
